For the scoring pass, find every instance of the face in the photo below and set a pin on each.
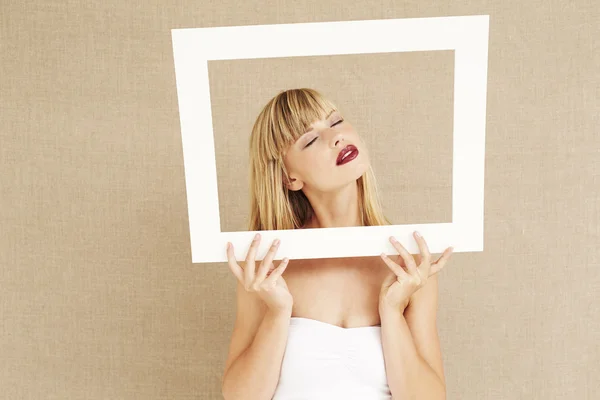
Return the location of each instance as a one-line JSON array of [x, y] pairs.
[[329, 156]]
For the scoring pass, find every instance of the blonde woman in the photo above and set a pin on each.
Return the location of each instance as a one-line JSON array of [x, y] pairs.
[[342, 328]]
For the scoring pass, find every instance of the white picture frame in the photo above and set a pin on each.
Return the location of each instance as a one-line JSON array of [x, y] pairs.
[[466, 35]]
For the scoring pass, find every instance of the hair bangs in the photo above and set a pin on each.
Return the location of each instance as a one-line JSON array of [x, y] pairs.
[[293, 113]]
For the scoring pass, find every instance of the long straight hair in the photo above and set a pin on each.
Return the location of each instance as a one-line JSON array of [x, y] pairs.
[[279, 124]]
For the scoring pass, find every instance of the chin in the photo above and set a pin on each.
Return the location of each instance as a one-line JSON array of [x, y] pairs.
[[360, 168], [354, 174]]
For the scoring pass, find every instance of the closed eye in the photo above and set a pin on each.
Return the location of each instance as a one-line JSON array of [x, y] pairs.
[[312, 141]]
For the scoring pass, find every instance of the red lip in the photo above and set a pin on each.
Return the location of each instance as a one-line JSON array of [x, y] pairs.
[[348, 149]]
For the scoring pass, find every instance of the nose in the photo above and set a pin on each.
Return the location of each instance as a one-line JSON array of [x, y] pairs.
[[337, 140]]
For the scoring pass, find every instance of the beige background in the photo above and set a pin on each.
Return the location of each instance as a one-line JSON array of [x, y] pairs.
[[98, 298]]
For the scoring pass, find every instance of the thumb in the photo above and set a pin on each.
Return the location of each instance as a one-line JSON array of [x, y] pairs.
[[389, 279]]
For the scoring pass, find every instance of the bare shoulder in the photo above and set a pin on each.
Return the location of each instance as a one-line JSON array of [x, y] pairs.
[[250, 311]]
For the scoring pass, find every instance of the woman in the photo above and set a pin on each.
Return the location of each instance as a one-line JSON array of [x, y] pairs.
[[342, 328]]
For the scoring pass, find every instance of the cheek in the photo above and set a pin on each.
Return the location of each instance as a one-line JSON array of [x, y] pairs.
[[317, 169]]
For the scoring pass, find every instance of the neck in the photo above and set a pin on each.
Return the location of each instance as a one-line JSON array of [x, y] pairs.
[[335, 209]]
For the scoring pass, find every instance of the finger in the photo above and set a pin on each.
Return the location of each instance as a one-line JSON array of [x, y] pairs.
[[266, 263], [272, 279], [398, 270], [249, 270], [425, 258], [406, 256], [400, 261], [425, 254], [441, 262], [233, 265], [389, 279]]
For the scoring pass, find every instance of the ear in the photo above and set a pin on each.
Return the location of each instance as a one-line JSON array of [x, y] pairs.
[[293, 184]]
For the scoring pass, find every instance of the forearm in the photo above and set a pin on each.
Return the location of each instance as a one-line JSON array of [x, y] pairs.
[[255, 373], [409, 375]]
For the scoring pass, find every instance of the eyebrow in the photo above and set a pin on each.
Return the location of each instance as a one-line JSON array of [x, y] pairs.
[[310, 130]]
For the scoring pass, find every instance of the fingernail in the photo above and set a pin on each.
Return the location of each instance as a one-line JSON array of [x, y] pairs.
[[418, 234], [276, 242], [228, 245], [393, 239], [256, 236]]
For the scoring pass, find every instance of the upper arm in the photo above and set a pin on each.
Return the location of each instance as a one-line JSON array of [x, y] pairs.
[[421, 316], [250, 310]]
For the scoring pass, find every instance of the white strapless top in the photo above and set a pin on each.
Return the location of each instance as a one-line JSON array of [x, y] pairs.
[[325, 361]]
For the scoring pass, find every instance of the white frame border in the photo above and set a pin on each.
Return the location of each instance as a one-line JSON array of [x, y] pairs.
[[466, 35]]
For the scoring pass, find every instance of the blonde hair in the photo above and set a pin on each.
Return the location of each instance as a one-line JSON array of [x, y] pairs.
[[279, 124]]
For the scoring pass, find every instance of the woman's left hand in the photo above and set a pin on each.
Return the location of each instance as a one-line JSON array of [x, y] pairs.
[[399, 285]]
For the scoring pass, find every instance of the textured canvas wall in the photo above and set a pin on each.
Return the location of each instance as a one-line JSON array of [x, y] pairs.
[[98, 298]]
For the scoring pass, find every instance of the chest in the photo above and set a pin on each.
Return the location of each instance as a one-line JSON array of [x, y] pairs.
[[342, 291]]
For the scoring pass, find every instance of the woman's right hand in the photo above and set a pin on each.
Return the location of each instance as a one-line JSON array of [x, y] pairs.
[[267, 281]]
